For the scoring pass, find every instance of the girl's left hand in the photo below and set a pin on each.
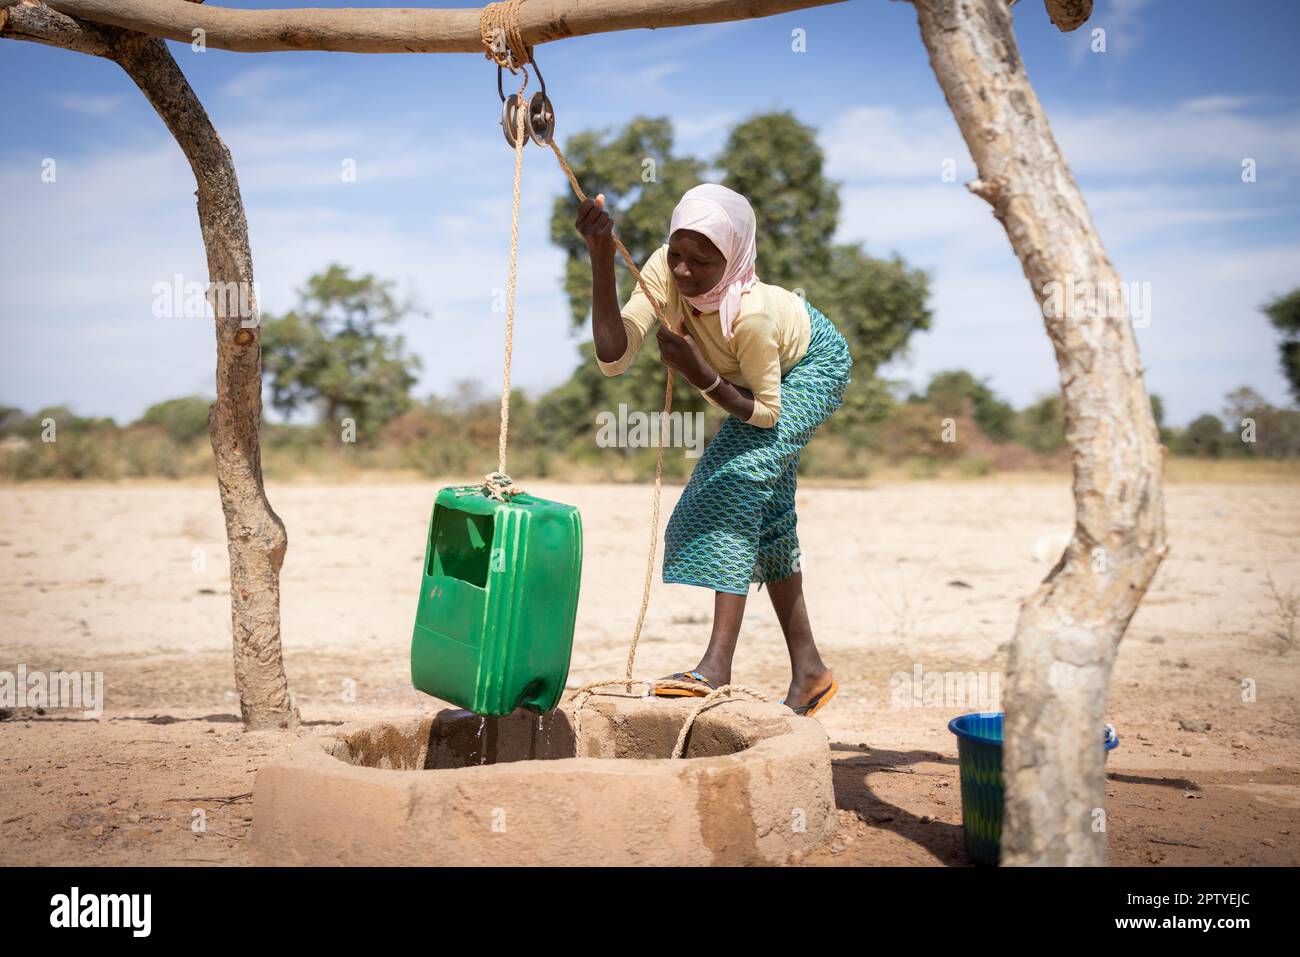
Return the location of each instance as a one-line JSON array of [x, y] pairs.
[[681, 354]]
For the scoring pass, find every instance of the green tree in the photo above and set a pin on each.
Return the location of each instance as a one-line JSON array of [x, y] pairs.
[[11, 418], [1205, 436], [1041, 426], [1167, 435], [183, 419], [775, 162], [1257, 428], [1284, 313], [642, 181], [332, 352], [1158, 409], [947, 391], [65, 422]]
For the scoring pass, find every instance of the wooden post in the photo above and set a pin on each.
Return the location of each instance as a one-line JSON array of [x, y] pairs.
[[255, 535], [1069, 630]]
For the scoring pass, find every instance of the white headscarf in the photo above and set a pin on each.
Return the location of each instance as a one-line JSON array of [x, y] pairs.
[[727, 219]]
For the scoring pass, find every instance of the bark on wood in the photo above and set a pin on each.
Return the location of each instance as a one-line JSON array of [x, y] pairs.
[[407, 31], [1069, 630], [254, 533], [40, 24], [1069, 14]]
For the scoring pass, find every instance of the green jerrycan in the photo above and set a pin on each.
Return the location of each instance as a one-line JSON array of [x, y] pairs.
[[494, 624]]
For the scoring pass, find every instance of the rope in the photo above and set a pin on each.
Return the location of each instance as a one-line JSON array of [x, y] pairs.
[[501, 20], [659, 458], [704, 703], [584, 694], [520, 114], [586, 691], [503, 41], [500, 486]]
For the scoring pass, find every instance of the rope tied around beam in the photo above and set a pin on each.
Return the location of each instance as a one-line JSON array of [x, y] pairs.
[[503, 40]]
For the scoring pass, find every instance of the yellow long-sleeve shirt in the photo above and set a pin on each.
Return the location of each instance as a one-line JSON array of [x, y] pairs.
[[769, 336]]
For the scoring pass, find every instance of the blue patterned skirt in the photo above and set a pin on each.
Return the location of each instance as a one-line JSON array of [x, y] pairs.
[[735, 522]]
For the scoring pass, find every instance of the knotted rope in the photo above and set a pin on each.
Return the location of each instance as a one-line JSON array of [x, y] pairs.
[[504, 44], [498, 25], [500, 486]]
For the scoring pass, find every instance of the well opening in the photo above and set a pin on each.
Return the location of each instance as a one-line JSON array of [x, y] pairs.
[[517, 790], [455, 738]]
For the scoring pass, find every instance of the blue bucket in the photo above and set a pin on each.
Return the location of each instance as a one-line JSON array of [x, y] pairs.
[[979, 761]]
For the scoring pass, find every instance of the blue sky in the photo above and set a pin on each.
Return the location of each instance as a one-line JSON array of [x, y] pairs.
[[1156, 129]]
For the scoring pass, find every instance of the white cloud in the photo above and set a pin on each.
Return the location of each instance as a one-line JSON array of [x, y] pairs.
[[1124, 142], [431, 209], [257, 83], [944, 219], [83, 254], [89, 104], [656, 72], [1216, 104], [1122, 21], [677, 40], [880, 142], [1163, 189], [1206, 335], [883, 143], [703, 133]]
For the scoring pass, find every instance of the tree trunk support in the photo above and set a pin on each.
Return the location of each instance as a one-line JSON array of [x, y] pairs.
[[1069, 630], [254, 533]]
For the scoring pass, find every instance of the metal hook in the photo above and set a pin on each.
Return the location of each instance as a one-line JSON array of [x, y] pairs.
[[533, 55], [539, 115]]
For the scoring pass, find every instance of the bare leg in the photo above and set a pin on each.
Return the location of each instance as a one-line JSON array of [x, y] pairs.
[[809, 673], [728, 611]]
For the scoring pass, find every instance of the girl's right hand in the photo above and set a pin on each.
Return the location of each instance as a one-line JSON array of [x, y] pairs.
[[595, 224]]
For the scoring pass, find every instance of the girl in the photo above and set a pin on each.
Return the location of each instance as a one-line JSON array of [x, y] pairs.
[[779, 367]]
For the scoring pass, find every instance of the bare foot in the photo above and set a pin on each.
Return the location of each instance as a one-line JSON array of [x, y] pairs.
[[716, 674], [806, 686]]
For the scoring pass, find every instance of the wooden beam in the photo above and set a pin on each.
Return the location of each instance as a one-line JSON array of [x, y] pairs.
[[407, 30], [39, 24]]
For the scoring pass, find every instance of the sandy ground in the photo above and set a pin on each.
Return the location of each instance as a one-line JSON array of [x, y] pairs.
[[131, 580]]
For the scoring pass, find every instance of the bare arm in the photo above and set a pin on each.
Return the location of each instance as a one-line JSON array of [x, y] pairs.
[[609, 335], [736, 399], [607, 332], [681, 354]]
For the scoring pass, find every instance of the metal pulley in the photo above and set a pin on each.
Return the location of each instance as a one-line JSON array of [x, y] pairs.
[[539, 120]]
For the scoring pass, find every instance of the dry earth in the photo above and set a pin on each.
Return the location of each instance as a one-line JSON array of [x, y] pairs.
[[131, 580]]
